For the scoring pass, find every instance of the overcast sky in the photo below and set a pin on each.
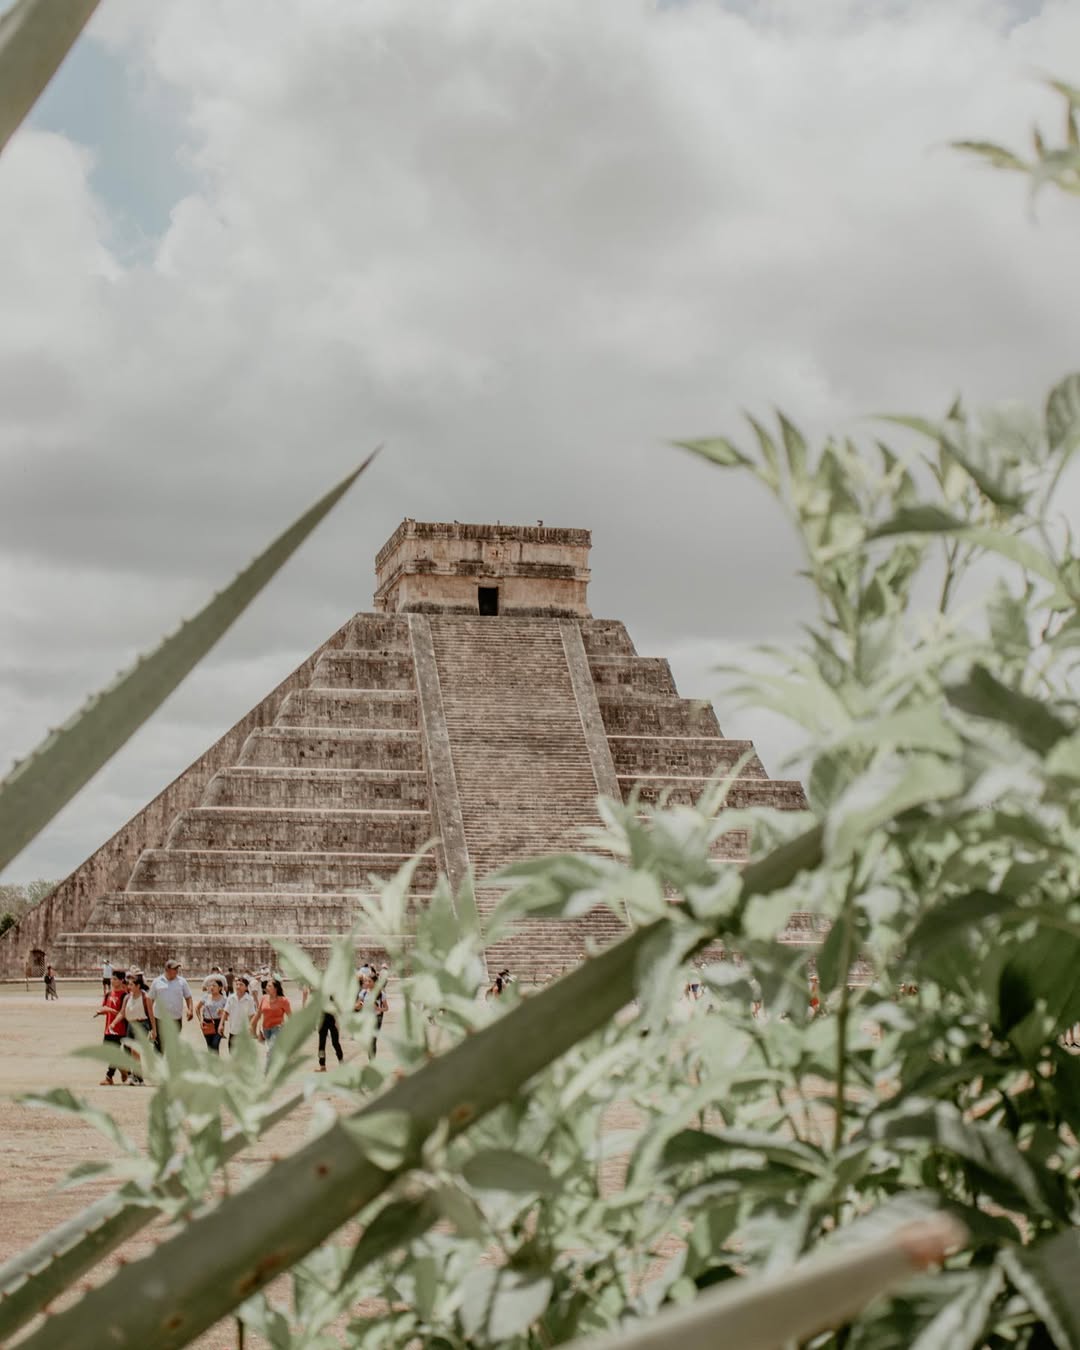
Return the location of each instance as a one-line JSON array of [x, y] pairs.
[[525, 245]]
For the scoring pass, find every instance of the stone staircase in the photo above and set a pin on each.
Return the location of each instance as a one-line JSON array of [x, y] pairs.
[[524, 773], [666, 748], [331, 795], [496, 734]]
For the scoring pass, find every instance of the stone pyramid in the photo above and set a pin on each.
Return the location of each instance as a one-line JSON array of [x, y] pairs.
[[480, 705]]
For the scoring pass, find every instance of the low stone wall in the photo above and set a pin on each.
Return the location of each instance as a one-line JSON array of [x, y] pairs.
[[320, 789], [67, 907], [681, 756], [606, 637]]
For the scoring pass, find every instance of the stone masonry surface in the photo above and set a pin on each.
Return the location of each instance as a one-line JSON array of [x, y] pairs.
[[492, 734]]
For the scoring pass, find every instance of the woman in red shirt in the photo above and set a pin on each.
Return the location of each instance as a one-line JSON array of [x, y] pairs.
[[274, 1007]]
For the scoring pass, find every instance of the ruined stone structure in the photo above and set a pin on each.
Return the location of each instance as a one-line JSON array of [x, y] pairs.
[[480, 705]]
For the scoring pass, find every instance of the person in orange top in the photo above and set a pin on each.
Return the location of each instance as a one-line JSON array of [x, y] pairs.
[[274, 1007]]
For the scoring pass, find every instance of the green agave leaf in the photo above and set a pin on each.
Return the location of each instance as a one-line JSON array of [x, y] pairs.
[[982, 694], [35, 36], [69, 757], [190, 1281], [1046, 1276]]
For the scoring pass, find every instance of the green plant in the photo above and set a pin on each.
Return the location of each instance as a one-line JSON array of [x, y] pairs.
[[35, 36], [942, 735]]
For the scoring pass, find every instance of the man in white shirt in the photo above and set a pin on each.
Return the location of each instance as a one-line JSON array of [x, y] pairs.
[[171, 993], [106, 975]]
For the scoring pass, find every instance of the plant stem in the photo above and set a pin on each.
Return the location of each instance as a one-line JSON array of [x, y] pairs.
[[848, 920]]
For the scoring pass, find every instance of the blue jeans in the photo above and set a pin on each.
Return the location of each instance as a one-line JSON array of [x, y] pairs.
[[270, 1035]]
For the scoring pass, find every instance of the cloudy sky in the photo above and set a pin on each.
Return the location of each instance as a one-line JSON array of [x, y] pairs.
[[524, 245]]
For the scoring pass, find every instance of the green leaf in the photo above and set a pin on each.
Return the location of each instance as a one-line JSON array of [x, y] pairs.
[[887, 789], [503, 1169], [1063, 415], [691, 1145], [794, 448], [718, 450], [923, 519], [927, 519], [386, 1138], [954, 916], [519, 1297], [990, 1150], [1045, 1275], [69, 757], [396, 1225], [1039, 989], [982, 694], [996, 155], [961, 1323], [35, 36]]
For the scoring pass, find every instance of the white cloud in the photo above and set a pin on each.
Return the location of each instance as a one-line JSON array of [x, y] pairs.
[[524, 245]]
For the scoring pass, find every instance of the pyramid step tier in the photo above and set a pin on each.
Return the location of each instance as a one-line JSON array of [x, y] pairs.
[[378, 634], [606, 637], [351, 709], [329, 789], [783, 794], [632, 674], [229, 912], [199, 870], [81, 954], [347, 668], [655, 715], [299, 829], [689, 756], [300, 747]]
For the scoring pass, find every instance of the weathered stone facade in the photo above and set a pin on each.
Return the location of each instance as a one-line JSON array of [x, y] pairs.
[[490, 732]]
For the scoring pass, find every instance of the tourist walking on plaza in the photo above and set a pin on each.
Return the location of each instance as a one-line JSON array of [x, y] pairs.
[[329, 1027], [210, 1010], [171, 995], [274, 1007], [115, 1026], [49, 979], [138, 1011], [239, 1010], [106, 975], [381, 1004], [499, 985]]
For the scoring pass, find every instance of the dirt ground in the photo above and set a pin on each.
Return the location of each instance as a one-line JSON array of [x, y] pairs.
[[38, 1147]]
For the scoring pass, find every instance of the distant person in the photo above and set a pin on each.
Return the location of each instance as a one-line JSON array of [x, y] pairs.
[[499, 984], [171, 995], [274, 1007], [230, 980], [106, 976], [215, 974], [49, 979], [115, 1026], [138, 1011], [210, 1009], [239, 1010], [380, 1007], [328, 1026]]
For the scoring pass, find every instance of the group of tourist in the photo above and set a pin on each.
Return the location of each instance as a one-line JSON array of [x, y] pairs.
[[229, 1005]]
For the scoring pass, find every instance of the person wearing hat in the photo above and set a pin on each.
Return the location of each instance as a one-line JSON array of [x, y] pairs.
[[171, 993]]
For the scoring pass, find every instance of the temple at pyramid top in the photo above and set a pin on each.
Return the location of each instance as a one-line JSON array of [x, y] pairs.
[[439, 567], [479, 706]]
